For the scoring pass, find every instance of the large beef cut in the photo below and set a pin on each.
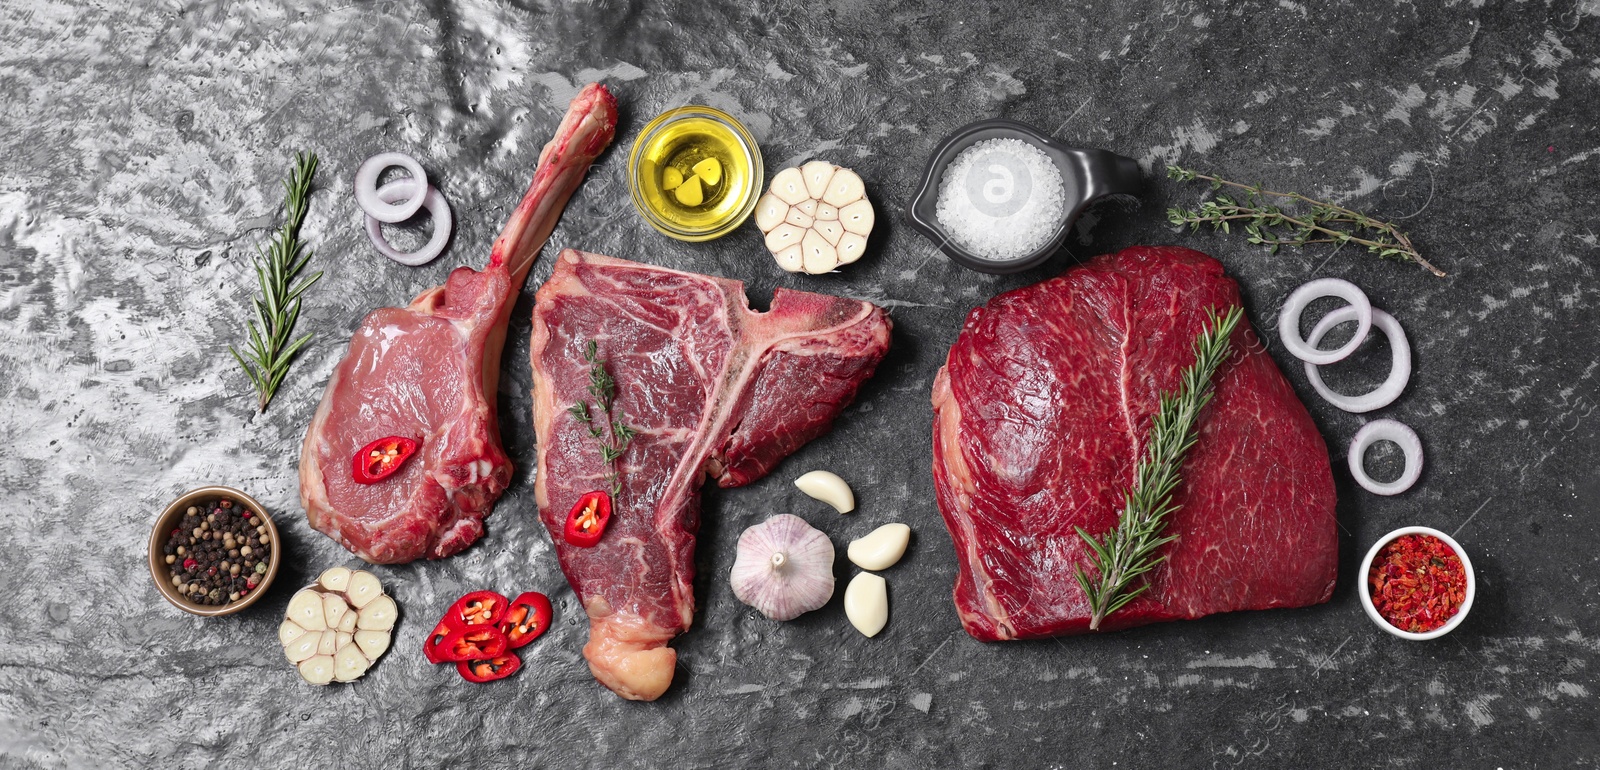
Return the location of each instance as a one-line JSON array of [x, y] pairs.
[[1042, 412], [430, 371], [713, 389]]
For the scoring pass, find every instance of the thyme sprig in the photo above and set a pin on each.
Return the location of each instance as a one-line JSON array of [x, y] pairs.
[[1125, 554], [603, 389], [266, 360], [1270, 225]]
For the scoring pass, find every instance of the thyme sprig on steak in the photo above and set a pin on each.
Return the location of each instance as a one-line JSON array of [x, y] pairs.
[[1126, 554], [1267, 224], [606, 426]]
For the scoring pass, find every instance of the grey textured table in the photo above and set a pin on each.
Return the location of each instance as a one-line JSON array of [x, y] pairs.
[[140, 153]]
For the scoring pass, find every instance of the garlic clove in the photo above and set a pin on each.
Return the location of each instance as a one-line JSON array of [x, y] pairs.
[[342, 640], [866, 603], [303, 647], [792, 258], [858, 217], [826, 213], [363, 588], [288, 631], [690, 193], [843, 189], [347, 624], [783, 236], [819, 255], [373, 644], [817, 174], [335, 579], [709, 170], [770, 212], [784, 567], [881, 548], [798, 217], [830, 231], [334, 609], [851, 247], [328, 642], [378, 615], [671, 177], [350, 664], [829, 488], [305, 609], [808, 207], [789, 186], [317, 669]]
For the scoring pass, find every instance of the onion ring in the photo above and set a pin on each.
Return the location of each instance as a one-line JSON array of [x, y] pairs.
[[1399, 368], [433, 201], [1289, 319], [1386, 430], [384, 209]]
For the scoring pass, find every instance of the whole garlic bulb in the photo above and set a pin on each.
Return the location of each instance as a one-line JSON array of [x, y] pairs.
[[784, 567]]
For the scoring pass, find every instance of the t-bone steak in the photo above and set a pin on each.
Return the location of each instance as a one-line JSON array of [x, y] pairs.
[[1042, 412], [430, 371], [713, 389]]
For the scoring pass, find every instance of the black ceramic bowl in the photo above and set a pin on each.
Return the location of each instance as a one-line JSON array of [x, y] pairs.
[[1087, 174]]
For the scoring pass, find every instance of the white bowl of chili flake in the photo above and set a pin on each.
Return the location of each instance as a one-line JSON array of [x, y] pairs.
[[1417, 583]]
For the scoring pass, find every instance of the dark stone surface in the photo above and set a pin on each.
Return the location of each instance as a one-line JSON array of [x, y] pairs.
[[142, 149]]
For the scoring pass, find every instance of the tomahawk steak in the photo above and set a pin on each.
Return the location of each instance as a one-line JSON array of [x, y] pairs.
[[430, 371], [712, 388], [1042, 412]]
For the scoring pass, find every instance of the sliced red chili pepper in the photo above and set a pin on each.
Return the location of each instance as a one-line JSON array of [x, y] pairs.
[[587, 520], [473, 643], [433, 648], [476, 608], [528, 617], [381, 459], [489, 669], [479, 608]]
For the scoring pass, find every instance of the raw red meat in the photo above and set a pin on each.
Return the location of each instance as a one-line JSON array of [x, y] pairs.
[[1042, 411], [713, 388], [431, 371]]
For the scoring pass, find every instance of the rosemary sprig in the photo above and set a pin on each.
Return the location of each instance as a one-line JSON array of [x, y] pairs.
[[603, 389], [1270, 225], [1126, 553], [267, 358]]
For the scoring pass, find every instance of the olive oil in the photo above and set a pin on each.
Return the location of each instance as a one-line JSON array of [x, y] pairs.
[[695, 173]]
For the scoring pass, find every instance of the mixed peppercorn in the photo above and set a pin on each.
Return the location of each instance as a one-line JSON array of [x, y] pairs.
[[218, 554], [1417, 582]]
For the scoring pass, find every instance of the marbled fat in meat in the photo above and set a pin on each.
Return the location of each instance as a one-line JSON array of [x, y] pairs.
[[713, 388], [1042, 411]]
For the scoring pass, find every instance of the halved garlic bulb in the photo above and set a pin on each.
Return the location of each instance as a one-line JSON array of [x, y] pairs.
[[338, 627], [815, 217], [784, 567]]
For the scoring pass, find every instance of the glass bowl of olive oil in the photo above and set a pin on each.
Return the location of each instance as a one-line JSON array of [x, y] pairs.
[[694, 173]]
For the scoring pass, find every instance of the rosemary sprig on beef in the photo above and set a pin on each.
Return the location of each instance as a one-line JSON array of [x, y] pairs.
[[1126, 554], [606, 425], [1267, 224]]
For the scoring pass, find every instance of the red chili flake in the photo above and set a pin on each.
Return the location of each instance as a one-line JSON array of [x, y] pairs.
[[1417, 583]]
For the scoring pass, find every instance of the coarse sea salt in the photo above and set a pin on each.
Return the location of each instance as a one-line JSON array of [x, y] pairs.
[[1001, 199]]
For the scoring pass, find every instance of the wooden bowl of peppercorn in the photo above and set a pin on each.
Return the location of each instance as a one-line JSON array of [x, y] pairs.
[[214, 551]]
